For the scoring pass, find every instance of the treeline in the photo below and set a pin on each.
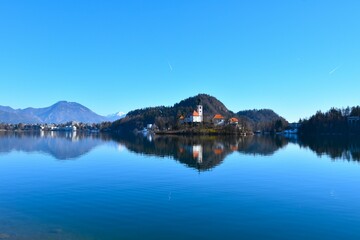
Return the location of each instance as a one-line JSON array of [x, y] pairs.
[[345, 147], [273, 126], [163, 117], [334, 121]]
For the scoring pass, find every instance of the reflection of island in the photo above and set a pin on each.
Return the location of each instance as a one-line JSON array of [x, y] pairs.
[[61, 145], [202, 152], [336, 147]]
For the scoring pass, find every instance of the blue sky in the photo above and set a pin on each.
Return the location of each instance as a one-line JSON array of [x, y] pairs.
[[295, 57]]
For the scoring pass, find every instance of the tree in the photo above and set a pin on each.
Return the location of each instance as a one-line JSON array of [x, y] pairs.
[[355, 111]]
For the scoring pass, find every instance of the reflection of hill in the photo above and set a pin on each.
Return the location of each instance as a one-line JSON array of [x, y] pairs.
[[197, 152], [336, 147], [262, 145], [61, 145], [201, 152]]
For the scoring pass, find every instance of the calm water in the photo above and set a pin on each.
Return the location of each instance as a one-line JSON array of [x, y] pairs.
[[74, 186]]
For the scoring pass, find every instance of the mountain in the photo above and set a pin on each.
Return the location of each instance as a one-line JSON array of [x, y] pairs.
[[262, 119], [116, 116], [10, 115], [259, 115], [60, 112], [7, 109]]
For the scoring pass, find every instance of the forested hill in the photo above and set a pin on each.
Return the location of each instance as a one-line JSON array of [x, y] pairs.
[[167, 117], [259, 115], [211, 106], [263, 119]]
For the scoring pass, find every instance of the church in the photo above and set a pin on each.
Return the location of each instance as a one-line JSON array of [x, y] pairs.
[[196, 117]]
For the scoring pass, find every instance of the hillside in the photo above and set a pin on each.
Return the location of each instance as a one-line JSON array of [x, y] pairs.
[[12, 116], [60, 112], [210, 104], [263, 119], [167, 117], [259, 115]]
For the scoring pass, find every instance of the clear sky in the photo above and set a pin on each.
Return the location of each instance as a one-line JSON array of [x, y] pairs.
[[293, 56]]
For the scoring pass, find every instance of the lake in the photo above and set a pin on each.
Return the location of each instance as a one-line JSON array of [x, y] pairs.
[[94, 186]]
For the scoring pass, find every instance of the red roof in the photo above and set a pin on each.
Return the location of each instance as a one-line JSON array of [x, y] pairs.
[[233, 120], [195, 114], [218, 151], [234, 148], [218, 116]]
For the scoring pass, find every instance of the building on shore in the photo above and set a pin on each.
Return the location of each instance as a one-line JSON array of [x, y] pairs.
[[353, 120], [196, 117], [218, 119], [233, 121], [354, 123]]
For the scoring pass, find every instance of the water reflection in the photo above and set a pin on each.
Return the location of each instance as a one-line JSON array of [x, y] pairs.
[[202, 153], [60, 145], [336, 147]]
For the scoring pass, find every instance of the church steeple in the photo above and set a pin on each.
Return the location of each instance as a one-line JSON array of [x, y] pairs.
[[200, 111]]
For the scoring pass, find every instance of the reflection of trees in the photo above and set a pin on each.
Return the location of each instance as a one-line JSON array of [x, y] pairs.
[[262, 145], [196, 152], [201, 152], [61, 145], [336, 147]]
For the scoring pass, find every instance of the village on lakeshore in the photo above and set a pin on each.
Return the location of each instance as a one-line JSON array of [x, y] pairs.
[[72, 126]]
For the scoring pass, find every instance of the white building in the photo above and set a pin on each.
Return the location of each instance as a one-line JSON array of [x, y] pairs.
[[198, 153], [197, 116]]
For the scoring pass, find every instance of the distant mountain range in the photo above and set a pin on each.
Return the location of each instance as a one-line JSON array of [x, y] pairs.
[[60, 112]]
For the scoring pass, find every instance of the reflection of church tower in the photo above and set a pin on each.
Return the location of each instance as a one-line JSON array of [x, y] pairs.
[[198, 153], [200, 111]]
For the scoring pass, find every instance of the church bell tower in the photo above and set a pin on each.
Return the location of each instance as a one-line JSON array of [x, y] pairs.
[[200, 111]]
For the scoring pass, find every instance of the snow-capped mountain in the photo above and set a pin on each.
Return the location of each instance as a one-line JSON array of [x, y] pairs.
[[116, 116]]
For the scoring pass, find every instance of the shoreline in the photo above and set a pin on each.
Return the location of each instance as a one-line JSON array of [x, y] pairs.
[[212, 132]]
